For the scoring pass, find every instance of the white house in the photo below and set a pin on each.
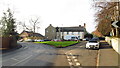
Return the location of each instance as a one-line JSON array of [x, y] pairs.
[[64, 32]]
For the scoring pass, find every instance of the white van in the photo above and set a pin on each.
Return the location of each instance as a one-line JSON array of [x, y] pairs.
[[70, 37]]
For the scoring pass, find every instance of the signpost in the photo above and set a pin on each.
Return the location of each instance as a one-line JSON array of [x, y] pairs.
[[116, 24]]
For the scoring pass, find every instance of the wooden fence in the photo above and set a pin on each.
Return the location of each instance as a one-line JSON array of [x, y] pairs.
[[8, 42]]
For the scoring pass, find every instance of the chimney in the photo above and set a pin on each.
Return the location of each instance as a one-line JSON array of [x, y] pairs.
[[84, 25], [50, 24], [79, 25]]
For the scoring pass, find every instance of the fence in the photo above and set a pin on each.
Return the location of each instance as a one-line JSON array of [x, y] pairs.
[[8, 42]]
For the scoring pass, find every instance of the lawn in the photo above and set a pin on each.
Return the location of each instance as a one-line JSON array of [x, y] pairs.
[[60, 43]]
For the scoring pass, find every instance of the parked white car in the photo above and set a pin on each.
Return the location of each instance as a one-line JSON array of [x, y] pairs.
[[29, 40], [93, 44], [56, 40], [21, 40], [39, 40]]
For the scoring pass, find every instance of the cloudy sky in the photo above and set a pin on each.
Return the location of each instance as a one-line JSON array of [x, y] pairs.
[[55, 12]]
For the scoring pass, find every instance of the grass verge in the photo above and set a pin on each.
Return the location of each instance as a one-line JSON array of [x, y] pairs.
[[59, 43]]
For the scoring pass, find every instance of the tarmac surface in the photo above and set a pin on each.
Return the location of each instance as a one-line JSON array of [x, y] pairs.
[[39, 55]]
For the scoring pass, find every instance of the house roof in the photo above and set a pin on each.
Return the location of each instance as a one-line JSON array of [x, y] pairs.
[[70, 29], [31, 33], [36, 34]]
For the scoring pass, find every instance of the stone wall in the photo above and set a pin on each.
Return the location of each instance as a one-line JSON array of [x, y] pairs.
[[115, 42], [108, 39]]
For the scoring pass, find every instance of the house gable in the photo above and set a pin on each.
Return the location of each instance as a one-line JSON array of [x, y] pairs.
[[50, 32]]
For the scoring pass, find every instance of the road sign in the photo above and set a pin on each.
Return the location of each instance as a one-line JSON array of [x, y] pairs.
[[116, 24]]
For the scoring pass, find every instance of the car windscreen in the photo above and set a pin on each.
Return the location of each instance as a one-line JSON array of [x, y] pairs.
[[93, 41]]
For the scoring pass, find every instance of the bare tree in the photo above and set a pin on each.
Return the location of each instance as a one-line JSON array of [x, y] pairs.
[[34, 24], [106, 13], [24, 26]]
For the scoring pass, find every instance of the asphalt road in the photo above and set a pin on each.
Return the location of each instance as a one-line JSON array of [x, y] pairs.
[[33, 54], [78, 55]]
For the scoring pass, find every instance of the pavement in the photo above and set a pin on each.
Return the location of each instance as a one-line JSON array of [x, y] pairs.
[[107, 56]]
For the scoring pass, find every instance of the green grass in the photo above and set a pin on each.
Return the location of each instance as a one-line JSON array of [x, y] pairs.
[[60, 43]]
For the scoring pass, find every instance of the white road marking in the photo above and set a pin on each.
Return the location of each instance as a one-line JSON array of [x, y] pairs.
[[98, 58], [68, 57], [25, 47], [75, 60], [77, 64], [73, 57], [69, 60], [14, 59], [21, 61], [70, 63]]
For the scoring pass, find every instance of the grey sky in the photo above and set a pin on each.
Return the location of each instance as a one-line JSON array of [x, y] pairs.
[[55, 12]]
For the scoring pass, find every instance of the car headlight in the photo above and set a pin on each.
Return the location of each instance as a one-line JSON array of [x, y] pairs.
[[96, 45]]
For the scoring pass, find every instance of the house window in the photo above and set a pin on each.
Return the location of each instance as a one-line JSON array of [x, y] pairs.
[[72, 33], [67, 32]]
